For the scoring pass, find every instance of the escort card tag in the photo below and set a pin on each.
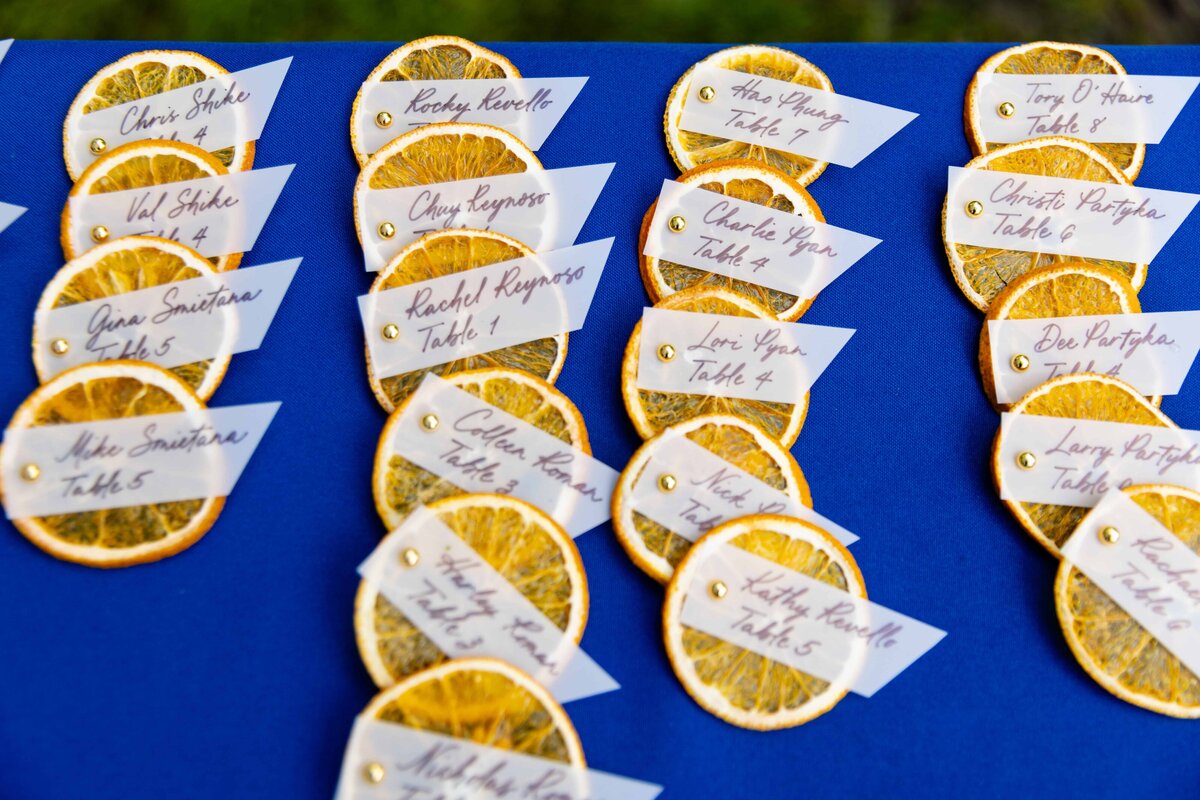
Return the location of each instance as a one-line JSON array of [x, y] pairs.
[[528, 108], [1151, 352], [751, 242], [1148, 571], [214, 216], [709, 491], [132, 461], [787, 116], [169, 325], [1094, 108], [9, 215], [793, 619], [482, 309], [220, 112], [728, 356], [1076, 461], [480, 448], [386, 761], [544, 209], [468, 608], [1036, 213]]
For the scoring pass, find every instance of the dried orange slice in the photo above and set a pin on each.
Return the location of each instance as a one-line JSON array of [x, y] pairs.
[[432, 58], [141, 75], [523, 544], [743, 180], [399, 485], [1072, 289], [129, 264], [689, 149], [116, 537], [983, 272], [484, 701], [1083, 395], [1109, 644], [445, 253], [1050, 58], [652, 411], [152, 162], [656, 549], [738, 685]]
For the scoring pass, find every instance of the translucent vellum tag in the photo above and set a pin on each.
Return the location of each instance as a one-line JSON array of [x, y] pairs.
[[132, 461], [787, 116], [709, 491], [1147, 570], [214, 216], [751, 242], [734, 356], [793, 619], [169, 325], [480, 448], [9, 215], [1037, 213], [1076, 461], [387, 761], [220, 112], [1094, 108], [469, 609], [482, 309], [543, 209], [528, 108], [1152, 352]]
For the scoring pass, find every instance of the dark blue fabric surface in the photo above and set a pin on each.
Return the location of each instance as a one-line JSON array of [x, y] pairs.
[[230, 671]]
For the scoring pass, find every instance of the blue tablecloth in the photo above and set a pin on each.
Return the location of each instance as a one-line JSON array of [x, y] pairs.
[[230, 671]]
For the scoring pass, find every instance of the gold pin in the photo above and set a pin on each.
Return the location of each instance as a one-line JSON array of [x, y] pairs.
[[430, 422], [99, 234], [677, 224], [31, 472], [1109, 535], [1026, 460], [373, 772], [666, 352], [707, 94], [667, 482], [391, 331], [387, 230], [718, 590], [98, 146], [60, 347], [1006, 109], [974, 208], [383, 119], [409, 557], [1020, 362]]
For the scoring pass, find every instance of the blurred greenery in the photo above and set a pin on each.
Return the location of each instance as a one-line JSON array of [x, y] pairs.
[[1097, 21]]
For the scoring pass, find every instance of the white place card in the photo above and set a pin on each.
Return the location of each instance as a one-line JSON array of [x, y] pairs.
[[797, 119], [1079, 460], [751, 242], [214, 216], [9, 214], [4, 45], [543, 209], [418, 765], [1152, 352], [528, 108], [169, 325], [1148, 571], [461, 602], [710, 491], [222, 111], [1094, 108], [1038, 213], [131, 461], [791, 618], [727, 356], [482, 309]]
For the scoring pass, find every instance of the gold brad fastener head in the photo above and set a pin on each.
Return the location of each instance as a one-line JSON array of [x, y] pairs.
[[387, 230], [373, 772], [98, 146], [383, 119], [409, 557], [707, 94], [99, 234], [1020, 362], [430, 422], [667, 482], [1006, 109], [677, 224], [1109, 535], [391, 331], [974, 208], [666, 352], [31, 472], [60, 347], [718, 590], [1026, 460]]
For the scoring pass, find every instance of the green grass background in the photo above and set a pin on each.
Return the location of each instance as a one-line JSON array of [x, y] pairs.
[[1097, 21]]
